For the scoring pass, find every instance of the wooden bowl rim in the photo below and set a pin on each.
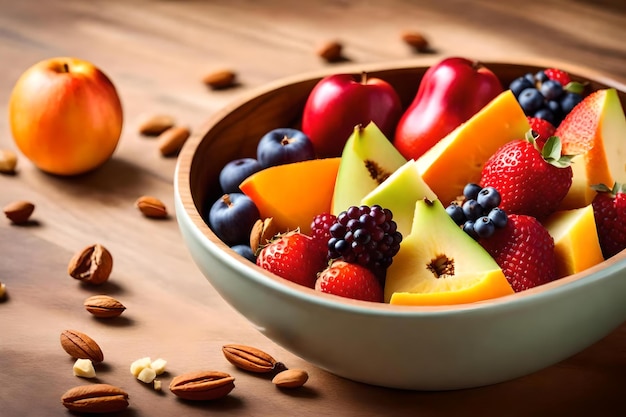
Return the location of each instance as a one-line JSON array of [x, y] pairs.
[[249, 270]]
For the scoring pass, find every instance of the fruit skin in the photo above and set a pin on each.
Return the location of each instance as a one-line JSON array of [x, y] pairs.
[[231, 218], [501, 121], [339, 102], [609, 209], [235, 172], [524, 250], [449, 94], [351, 281], [293, 256], [65, 116], [439, 264], [284, 146], [292, 194], [530, 181]]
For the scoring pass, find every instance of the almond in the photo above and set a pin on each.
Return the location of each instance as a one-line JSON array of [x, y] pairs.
[[291, 378], [250, 359], [156, 124], [8, 161], [172, 140], [151, 207], [262, 232], [202, 385], [415, 40], [19, 211], [95, 398], [93, 264], [80, 346], [220, 79], [331, 51], [103, 306]]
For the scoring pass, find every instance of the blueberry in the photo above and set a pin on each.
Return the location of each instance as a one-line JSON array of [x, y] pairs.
[[284, 146], [541, 76], [546, 114], [484, 227], [530, 100], [569, 101], [456, 213], [235, 172], [231, 218], [468, 227], [498, 217], [488, 198], [472, 209], [531, 78], [555, 107], [519, 84], [245, 251], [471, 190], [551, 89]]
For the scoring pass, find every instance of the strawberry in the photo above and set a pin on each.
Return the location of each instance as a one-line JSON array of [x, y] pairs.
[[609, 210], [558, 75], [530, 181], [543, 128], [524, 250], [293, 256], [351, 281]]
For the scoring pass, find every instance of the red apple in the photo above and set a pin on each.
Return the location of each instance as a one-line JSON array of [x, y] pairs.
[[450, 93], [65, 116], [340, 102]]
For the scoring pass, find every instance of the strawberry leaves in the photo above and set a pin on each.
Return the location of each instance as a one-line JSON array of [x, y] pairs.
[[551, 151]]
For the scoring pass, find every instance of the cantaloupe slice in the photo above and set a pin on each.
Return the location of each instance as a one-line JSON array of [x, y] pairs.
[[292, 194], [440, 264], [594, 131], [459, 157], [576, 242]]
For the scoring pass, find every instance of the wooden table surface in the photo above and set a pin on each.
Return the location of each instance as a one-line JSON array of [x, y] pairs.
[[156, 53]]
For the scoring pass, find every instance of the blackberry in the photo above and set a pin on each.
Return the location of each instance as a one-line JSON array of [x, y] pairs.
[[365, 235]]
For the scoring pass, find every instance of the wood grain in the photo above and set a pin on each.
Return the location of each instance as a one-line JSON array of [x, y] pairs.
[[156, 52]]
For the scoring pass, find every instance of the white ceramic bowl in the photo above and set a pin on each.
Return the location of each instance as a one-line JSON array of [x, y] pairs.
[[419, 348]]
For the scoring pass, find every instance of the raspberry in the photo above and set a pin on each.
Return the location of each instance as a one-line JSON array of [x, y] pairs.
[[558, 75], [543, 128], [320, 227], [366, 236]]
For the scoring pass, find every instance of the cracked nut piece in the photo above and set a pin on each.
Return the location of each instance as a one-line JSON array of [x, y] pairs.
[[155, 125], [262, 232], [291, 378], [103, 306], [8, 161], [331, 51], [151, 207], [80, 346], [172, 140], [202, 385], [95, 398], [19, 211], [251, 359], [92, 264], [84, 368], [415, 40]]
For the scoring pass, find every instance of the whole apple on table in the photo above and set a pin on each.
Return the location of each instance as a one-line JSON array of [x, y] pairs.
[[456, 199]]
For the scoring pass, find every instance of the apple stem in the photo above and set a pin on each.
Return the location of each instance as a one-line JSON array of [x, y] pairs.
[[364, 78], [476, 65], [66, 68]]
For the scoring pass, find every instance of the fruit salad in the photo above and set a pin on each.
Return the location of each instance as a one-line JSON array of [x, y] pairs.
[[524, 189]]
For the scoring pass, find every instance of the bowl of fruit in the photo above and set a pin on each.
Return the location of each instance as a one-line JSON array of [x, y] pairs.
[[417, 227]]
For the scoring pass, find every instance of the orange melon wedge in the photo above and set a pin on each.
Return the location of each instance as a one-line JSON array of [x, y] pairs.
[[459, 157], [292, 194]]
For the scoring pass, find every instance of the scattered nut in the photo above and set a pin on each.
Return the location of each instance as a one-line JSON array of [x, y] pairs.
[[251, 359], [155, 125], [415, 40], [92, 264], [103, 306], [172, 140], [146, 370], [95, 398], [262, 232], [147, 375], [3, 290], [19, 211], [8, 161], [84, 368], [80, 346], [157, 385], [331, 51], [202, 385], [220, 79], [151, 207], [291, 378]]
